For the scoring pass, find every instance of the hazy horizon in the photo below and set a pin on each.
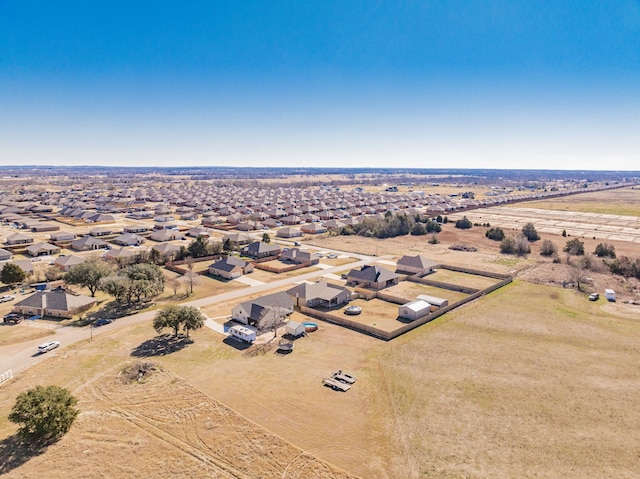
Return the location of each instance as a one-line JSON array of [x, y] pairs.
[[428, 85]]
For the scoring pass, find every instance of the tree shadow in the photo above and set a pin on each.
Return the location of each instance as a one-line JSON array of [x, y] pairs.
[[14, 452], [112, 310], [161, 346]]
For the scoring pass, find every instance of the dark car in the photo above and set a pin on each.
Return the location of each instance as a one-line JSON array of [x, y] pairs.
[[103, 321]]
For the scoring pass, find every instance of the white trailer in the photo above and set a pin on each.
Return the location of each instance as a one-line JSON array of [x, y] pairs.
[[242, 333], [610, 294]]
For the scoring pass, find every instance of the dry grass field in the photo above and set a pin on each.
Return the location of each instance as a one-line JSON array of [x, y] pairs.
[[623, 201], [531, 381]]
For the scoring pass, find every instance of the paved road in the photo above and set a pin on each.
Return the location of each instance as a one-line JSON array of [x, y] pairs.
[[19, 357]]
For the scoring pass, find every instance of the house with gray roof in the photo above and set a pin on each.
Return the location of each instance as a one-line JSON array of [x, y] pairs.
[[260, 249], [65, 263], [19, 238], [319, 294], [42, 249], [230, 267], [375, 277], [415, 264], [5, 255], [263, 311], [57, 303], [89, 243]]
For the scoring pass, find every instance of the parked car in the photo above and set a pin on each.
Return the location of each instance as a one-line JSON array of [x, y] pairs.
[[297, 243], [332, 256], [13, 318], [594, 297], [45, 347], [7, 297], [102, 321]]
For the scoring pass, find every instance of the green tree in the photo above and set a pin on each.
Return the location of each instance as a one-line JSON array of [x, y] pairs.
[[464, 224], [88, 274], [191, 318], [44, 413], [138, 281], [496, 234], [167, 318], [574, 247], [227, 245], [418, 229], [198, 248], [175, 317], [266, 238], [529, 231], [605, 250], [12, 274]]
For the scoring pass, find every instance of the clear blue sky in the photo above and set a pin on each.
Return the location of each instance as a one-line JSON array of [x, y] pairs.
[[522, 84]]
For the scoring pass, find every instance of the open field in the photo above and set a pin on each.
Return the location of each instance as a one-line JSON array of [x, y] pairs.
[[622, 201], [489, 390], [268, 277], [24, 331]]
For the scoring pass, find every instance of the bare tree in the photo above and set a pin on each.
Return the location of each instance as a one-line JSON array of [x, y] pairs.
[[191, 279], [174, 284], [578, 273]]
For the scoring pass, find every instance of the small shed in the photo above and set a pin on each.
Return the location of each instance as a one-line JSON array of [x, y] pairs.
[[294, 328], [414, 310], [434, 301]]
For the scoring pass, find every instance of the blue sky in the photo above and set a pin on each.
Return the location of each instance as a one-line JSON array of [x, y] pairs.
[[460, 84]]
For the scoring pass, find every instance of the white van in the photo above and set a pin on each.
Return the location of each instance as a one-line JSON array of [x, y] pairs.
[[45, 347]]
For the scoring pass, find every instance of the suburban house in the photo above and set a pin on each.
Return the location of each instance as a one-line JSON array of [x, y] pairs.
[[88, 243], [65, 263], [313, 228], [415, 264], [57, 303], [298, 256], [106, 231], [289, 233], [260, 249], [129, 239], [319, 294], [375, 277], [42, 249], [25, 265], [5, 255], [230, 267], [167, 250], [262, 312], [237, 239], [138, 228], [414, 310], [19, 238], [166, 235], [62, 236], [116, 254]]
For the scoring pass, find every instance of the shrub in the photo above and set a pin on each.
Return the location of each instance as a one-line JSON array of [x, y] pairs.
[[464, 224], [574, 247], [522, 245], [605, 250], [547, 248], [508, 245], [496, 234], [530, 232]]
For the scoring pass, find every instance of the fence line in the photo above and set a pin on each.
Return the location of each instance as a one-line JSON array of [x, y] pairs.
[[6, 376]]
